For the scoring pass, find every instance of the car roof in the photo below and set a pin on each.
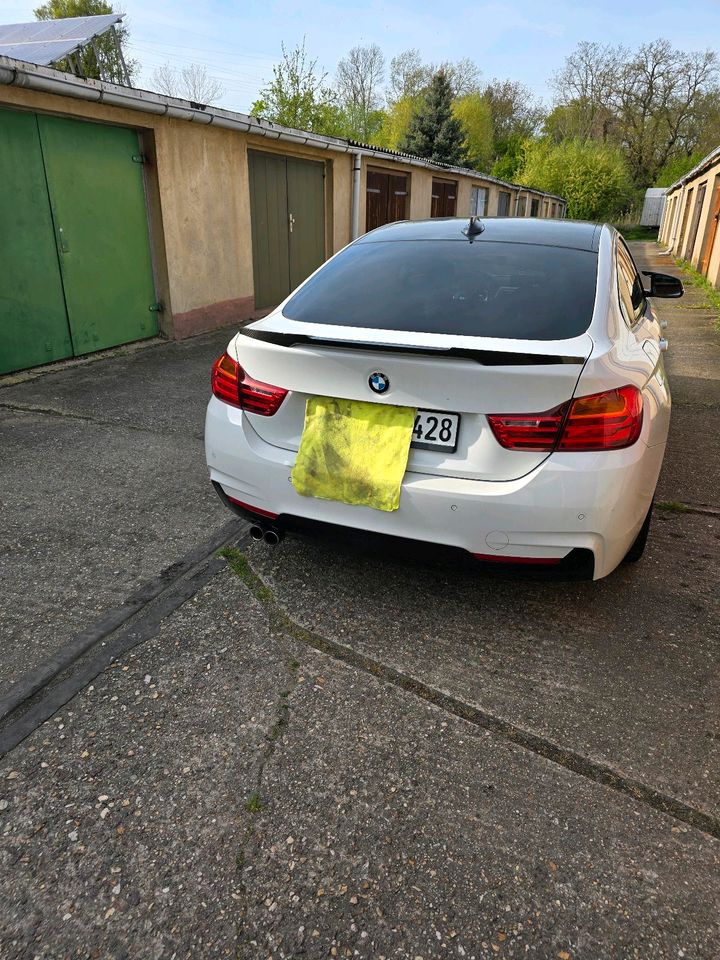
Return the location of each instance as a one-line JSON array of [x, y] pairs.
[[577, 234]]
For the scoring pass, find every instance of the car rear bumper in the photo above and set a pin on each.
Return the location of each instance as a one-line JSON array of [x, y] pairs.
[[586, 501]]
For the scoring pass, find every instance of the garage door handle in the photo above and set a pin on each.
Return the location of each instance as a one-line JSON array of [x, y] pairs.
[[291, 221], [64, 248]]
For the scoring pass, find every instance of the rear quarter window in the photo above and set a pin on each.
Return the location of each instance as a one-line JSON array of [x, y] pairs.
[[483, 289]]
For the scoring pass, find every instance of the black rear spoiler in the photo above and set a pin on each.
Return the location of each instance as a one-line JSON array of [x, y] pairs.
[[488, 358]]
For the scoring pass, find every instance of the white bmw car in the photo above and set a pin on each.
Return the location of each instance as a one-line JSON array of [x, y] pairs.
[[531, 357]]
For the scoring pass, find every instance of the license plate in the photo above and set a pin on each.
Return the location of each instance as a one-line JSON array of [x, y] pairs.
[[435, 431]]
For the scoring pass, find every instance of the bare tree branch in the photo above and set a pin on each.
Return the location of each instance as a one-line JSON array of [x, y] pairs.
[[192, 82]]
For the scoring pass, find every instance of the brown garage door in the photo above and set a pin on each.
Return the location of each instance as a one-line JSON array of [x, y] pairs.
[[695, 222], [386, 198], [444, 198]]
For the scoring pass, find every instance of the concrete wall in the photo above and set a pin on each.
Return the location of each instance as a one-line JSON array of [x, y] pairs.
[[674, 234], [197, 185]]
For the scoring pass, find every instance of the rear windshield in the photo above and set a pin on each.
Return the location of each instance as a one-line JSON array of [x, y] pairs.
[[482, 289]]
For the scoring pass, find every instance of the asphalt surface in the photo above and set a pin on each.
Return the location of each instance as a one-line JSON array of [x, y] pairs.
[[326, 753], [102, 484]]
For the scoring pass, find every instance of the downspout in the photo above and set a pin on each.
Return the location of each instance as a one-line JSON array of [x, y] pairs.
[[355, 217]]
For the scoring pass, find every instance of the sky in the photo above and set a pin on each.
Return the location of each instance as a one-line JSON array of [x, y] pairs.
[[528, 41]]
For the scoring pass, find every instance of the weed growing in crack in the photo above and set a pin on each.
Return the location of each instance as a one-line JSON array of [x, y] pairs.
[[239, 564], [253, 804]]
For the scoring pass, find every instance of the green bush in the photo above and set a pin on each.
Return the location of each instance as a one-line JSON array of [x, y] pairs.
[[592, 176]]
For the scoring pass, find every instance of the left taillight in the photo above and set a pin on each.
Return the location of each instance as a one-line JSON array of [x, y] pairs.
[[231, 384], [611, 420]]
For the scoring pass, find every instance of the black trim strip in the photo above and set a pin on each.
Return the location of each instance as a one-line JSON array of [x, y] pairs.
[[487, 358]]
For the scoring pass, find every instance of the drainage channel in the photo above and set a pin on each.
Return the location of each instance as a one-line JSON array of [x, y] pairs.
[[44, 691]]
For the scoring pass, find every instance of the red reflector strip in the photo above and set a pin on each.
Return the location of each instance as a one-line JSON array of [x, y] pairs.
[[247, 506], [257, 397], [497, 559], [528, 431]]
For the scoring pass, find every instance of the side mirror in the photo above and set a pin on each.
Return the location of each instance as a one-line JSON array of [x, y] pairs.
[[663, 285]]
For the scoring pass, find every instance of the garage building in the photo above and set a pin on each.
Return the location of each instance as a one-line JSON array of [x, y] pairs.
[[128, 214]]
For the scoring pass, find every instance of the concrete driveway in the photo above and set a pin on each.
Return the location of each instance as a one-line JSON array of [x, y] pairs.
[[291, 752]]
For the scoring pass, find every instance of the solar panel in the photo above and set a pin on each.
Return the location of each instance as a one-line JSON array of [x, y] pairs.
[[44, 42]]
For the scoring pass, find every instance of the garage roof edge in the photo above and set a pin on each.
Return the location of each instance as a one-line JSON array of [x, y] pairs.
[[23, 74]]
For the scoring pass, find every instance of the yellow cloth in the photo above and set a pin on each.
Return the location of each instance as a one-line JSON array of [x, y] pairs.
[[353, 451]]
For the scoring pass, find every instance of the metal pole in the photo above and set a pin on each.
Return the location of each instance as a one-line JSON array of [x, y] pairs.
[[120, 56], [98, 58], [355, 218]]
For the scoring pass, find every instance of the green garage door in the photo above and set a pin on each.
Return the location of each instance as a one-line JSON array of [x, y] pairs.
[[77, 206], [33, 321], [287, 206]]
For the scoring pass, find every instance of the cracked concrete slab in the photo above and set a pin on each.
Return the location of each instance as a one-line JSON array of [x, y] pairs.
[[402, 832], [617, 670], [89, 514], [225, 790], [100, 492], [121, 819], [164, 388], [228, 791]]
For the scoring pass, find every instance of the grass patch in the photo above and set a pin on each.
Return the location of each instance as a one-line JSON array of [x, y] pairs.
[[673, 506], [239, 564], [633, 231], [694, 278], [253, 804]]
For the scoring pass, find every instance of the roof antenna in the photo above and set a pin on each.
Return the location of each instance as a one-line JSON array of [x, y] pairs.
[[474, 228]]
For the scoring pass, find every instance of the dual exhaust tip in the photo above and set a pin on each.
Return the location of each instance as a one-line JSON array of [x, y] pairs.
[[270, 535]]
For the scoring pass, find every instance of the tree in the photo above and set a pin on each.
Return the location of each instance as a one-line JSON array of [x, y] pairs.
[[655, 103], [585, 89], [677, 168], [463, 76], [473, 111], [579, 120], [409, 76], [396, 123], [100, 60], [297, 95], [434, 132], [593, 177], [358, 79], [192, 82], [515, 111], [507, 165]]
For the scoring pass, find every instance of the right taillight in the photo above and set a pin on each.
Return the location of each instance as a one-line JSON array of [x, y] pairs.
[[231, 384], [609, 420]]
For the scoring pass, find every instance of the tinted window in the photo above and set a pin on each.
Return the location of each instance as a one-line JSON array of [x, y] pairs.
[[630, 288], [483, 289]]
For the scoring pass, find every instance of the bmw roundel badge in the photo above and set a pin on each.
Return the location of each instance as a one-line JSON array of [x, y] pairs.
[[379, 383]]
